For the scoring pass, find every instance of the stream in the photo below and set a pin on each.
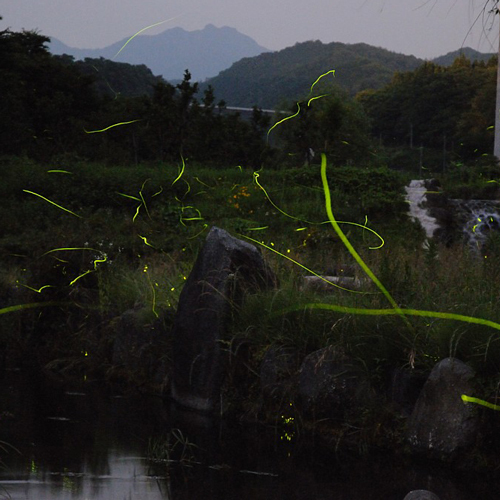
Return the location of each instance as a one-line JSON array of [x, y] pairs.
[[84, 441]]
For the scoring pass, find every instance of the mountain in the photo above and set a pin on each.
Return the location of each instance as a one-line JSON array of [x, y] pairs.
[[471, 54], [203, 52], [273, 77]]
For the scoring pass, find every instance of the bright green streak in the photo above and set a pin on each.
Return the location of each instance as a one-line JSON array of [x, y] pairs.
[[51, 202], [142, 198], [81, 276], [478, 401], [300, 265], [20, 307], [70, 248], [399, 311], [146, 242], [348, 245], [99, 261], [35, 290], [314, 98], [284, 120], [111, 126], [129, 196], [332, 71], [58, 172], [144, 29], [181, 172], [256, 180]]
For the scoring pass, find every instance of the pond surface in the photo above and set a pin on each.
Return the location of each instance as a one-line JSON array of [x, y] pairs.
[[86, 442]]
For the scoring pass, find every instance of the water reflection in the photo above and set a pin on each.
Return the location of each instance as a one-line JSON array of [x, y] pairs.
[[87, 442]]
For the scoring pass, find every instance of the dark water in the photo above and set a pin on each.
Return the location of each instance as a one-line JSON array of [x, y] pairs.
[[85, 442]]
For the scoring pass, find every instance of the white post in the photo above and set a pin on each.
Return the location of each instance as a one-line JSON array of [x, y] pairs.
[[496, 147]]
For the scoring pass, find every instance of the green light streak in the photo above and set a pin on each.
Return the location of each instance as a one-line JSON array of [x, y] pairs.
[[129, 196], [394, 312], [144, 29], [181, 172], [111, 126], [59, 172], [81, 276], [159, 192], [300, 265], [34, 289], [284, 120], [198, 233], [142, 198], [136, 213], [256, 180], [478, 401], [70, 249], [347, 243], [52, 202], [314, 98], [332, 71], [143, 238], [20, 307], [97, 261]]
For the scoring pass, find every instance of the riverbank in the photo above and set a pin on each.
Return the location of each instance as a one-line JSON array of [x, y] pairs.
[[105, 276]]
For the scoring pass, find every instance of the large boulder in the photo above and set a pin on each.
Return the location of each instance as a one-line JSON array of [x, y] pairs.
[[331, 385], [421, 495], [441, 425], [226, 269]]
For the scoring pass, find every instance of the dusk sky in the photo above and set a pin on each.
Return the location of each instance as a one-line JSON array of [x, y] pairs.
[[424, 28]]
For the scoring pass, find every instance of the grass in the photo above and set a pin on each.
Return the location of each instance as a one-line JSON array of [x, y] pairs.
[[144, 244]]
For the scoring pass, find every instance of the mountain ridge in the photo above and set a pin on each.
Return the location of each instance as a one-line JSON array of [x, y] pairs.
[[274, 78], [204, 52]]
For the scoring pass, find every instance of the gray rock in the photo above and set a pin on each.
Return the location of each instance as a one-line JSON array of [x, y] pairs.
[[421, 495], [330, 384], [441, 425], [226, 269]]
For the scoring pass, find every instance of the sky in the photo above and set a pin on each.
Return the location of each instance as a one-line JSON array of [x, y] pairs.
[[424, 28]]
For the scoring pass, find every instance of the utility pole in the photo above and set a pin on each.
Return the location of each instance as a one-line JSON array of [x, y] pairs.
[[496, 147]]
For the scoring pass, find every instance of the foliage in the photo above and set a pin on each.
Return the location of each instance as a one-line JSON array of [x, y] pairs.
[[450, 108], [270, 78], [114, 79], [51, 109], [334, 124]]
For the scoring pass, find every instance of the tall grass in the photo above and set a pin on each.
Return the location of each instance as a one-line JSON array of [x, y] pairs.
[[149, 239]]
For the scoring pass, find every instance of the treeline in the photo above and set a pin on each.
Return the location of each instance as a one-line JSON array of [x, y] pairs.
[[272, 77], [445, 112], [55, 108], [51, 109], [450, 109]]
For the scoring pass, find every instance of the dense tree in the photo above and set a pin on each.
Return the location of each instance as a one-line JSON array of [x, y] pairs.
[[44, 103], [334, 124], [435, 106]]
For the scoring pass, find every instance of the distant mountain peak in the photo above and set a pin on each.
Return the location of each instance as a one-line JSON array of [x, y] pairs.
[[203, 52]]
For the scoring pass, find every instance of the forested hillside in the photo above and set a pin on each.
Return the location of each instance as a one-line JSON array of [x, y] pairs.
[[451, 109], [270, 79], [115, 78], [52, 109]]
